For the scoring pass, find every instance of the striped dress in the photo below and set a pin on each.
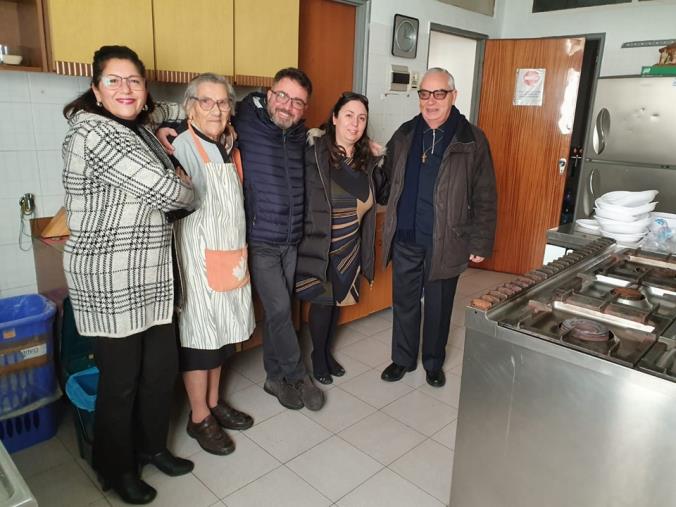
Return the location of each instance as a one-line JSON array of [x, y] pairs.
[[211, 249]]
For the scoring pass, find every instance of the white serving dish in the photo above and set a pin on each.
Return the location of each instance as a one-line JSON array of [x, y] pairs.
[[626, 210], [669, 217], [587, 223], [625, 198], [609, 225], [618, 217], [623, 238], [12, 59]]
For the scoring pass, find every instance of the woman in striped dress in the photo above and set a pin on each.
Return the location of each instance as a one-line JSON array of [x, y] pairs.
[[216, 310]]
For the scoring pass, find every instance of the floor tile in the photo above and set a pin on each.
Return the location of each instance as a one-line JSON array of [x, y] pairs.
[[369, 387], [256, 402], [178, 440], [428, 466], [449, 393], [453, 357], [387, 489], [334, 467], [250, 364], [341, 410], [417, 377], [384, 337], [382, 437], [224, 475], [175, 492], [67, 434], [346, 335], [279, 488], [371, 325], [41, 457], [287, 435], [421, 412], [456, 337], [446, 436], [233, 381], [353, 367], [368, 351], [65, 485]]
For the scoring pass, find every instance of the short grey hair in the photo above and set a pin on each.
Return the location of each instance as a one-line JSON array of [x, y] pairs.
[[440, 70], [208, 77]]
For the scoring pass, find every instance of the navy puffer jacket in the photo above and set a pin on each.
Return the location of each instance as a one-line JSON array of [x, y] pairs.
[[272, 159]]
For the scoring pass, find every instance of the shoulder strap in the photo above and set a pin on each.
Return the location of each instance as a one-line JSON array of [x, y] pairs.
[[237, 159]]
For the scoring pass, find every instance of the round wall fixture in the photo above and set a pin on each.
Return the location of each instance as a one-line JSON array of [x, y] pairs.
[[405, 36]]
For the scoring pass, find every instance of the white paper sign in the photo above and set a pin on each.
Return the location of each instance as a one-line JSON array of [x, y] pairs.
[[529, 87]]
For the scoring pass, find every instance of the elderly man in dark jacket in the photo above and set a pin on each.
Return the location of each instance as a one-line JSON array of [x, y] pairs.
[[441, 214], [272, 143]]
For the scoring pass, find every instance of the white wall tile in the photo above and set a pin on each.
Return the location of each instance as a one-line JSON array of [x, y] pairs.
[[18, 291], [53, 89], [16, 266], [18, 174], [14, 87], [16, 127], [48, 205], [50, 126]]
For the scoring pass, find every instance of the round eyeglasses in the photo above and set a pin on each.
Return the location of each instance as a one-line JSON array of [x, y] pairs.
[[208, 104], [114, 82], [283, 98]]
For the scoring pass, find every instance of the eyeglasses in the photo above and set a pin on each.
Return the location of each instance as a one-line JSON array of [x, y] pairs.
[[114, 82], [437, 94], [283, 98], [208, 104]]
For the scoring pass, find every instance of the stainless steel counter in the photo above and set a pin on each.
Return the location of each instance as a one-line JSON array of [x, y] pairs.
[[544, 425], [567, 237]]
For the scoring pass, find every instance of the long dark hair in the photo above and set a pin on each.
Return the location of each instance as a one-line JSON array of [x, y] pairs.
[[362, 149], [87, 101]]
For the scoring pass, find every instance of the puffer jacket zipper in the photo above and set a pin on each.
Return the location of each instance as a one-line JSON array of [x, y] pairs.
[[288, 188]]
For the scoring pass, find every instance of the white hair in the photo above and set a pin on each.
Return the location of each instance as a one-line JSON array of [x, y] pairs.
[[440, 70], [207, 77]]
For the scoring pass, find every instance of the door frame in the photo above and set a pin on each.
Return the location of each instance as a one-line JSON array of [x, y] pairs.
[[480, 39], [361, 43]]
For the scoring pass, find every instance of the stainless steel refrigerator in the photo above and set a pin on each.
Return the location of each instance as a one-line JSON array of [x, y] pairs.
[[632, 141]]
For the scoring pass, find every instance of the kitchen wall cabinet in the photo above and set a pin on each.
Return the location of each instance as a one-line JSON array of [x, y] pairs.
[[22, 31], [193, 40], [266, 39], [77, 28]]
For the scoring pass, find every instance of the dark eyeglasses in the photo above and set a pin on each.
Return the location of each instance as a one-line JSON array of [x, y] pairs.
[[437, 94], [208, 104], [283, 98], [114, 82]]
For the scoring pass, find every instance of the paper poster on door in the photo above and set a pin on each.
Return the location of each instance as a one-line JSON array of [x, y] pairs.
[[529, 87]]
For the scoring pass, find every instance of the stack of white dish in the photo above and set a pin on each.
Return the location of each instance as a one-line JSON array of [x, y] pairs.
[[625, 216]]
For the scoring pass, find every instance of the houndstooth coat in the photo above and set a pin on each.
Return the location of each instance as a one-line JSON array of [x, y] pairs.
[[117, 260]]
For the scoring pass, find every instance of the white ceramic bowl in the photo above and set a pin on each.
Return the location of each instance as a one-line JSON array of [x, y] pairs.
[[618, 217], [587, 223], [669, 217], [625, 198], [12, 59], [609, 225], [624, 238], [626, 210]]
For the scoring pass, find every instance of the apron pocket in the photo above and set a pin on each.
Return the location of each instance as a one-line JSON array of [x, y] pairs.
[[226, 269]]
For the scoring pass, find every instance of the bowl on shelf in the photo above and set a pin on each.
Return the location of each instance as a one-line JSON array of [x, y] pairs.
[[625, 210], [625, 198], [610, 225], [12, 59], [618, 217], [587, 226], [624, 238]]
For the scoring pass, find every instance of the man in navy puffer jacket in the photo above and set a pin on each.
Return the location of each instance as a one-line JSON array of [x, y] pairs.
[[271, 138]]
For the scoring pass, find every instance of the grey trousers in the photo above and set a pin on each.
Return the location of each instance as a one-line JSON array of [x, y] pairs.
[[272, 273]]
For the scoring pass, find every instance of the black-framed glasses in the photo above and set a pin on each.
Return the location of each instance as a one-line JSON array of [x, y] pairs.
[[207, 104], [437, 94], [283, 98], [114, 82]]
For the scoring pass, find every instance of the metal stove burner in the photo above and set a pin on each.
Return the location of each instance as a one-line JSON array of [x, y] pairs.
[[627, 293], [585, 330]]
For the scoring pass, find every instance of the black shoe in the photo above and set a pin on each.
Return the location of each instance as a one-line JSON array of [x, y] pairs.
[[167, 463], [323, 378], [436, 378], [335, 368], [230, 418], [394, 372], [131, 489]]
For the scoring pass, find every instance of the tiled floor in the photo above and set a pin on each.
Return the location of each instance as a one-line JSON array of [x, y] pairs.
[[374, 443]]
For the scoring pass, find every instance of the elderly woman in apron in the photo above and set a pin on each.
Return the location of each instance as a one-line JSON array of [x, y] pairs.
[[215, 308]]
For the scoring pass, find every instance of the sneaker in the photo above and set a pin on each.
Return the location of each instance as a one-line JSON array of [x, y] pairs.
[[284, 392], [311, 396]]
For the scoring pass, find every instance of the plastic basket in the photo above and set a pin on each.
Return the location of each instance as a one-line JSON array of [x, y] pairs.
[[26, 351], [30, 428]]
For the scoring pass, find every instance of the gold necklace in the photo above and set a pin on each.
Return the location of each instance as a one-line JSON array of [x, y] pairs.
[[423, 158]]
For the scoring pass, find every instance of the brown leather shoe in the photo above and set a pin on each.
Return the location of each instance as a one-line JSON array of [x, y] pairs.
[[231, 418], [211, 437]]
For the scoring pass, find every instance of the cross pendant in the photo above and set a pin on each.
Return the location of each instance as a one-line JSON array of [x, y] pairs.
[[424, 158]]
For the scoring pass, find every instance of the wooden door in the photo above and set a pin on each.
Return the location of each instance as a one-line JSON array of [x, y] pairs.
[[527, 143], [326, 53]]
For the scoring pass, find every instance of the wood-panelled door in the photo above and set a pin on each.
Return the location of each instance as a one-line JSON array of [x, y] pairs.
[[529, 144], [326, 53]]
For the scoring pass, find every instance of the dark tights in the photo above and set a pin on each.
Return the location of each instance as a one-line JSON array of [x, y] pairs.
[[323, 321]]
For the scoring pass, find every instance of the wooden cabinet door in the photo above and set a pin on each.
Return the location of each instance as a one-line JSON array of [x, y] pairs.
[[195, 39], [527, 143], [266, 39], [80, 27]]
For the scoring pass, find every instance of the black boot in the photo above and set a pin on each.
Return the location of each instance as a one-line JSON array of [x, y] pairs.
[[130, 488], [167, 463]]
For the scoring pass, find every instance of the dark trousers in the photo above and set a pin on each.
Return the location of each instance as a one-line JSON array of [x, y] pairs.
[[322, 322], [410, 271], [137, 374], [272, 272]]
